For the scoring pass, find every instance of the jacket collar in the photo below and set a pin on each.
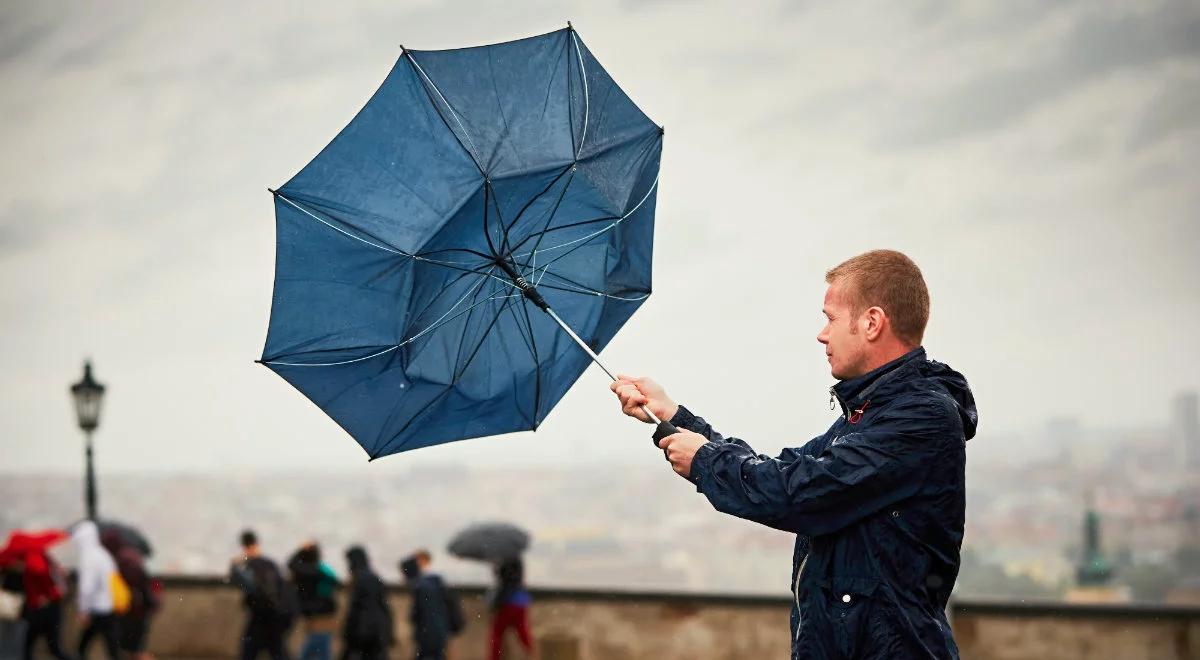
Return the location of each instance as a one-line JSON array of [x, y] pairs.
[[852, 392]]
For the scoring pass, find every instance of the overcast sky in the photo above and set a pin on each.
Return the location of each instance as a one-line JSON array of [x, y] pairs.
[[1037, 159]]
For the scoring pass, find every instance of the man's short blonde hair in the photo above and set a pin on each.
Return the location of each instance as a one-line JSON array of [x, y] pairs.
[[891, 281]]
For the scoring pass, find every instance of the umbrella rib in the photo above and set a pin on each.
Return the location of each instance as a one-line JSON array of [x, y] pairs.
[[458, 357], [583, 77], [550, 216], [539, 195], [547, 228], [414, 257], [474, 152], [570, 98], [502, 335], [537, 366], [443, 320], [445, 391], [598, 294], [579, 287], [487, 230], [504, 249], [600, 231], [523, 241]]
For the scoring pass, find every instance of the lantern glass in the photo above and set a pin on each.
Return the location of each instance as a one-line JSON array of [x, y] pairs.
[[87, 394]]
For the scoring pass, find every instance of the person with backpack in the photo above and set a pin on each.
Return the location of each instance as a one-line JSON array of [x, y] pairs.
[[315, 584], [133, 622], [436, 613], [368, 630], [264, 596], [510, 603], [97, 576]]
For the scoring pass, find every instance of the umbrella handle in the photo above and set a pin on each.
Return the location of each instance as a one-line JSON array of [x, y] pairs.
[[663, 430]]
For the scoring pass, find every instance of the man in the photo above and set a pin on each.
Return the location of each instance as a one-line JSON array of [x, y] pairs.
[[369, 629], [265, 599], [877, 503], [436, 614], [95, 590]]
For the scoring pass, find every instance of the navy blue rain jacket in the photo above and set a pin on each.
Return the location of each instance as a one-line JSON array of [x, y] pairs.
[[877, 504]]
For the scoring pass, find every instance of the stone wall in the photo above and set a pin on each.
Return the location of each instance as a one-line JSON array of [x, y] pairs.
[[201, 618]]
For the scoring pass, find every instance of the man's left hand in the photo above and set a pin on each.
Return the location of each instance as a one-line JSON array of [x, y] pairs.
[[681, 448]]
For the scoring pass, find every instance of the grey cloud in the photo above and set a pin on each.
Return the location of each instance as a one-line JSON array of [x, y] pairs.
[[1171, 111], [1097, 45], [19, 38]]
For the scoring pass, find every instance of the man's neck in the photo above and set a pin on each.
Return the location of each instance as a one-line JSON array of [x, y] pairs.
[[886, 354]]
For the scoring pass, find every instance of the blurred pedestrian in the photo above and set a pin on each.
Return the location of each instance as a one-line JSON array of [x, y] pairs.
[[510, 607], [95, 590], [264, 596], [436, 613], [368, 630], [41, 583], [132, 625], [315, 584]]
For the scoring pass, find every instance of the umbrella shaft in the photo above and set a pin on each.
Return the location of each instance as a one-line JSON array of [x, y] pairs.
[[592, 354]]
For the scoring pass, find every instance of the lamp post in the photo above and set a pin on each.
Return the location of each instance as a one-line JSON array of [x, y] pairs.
[[87, 394]]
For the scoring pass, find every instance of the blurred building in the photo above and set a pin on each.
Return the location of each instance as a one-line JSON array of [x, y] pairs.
[[1185, 422]]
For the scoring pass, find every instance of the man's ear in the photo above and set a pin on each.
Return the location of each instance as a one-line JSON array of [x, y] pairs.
[[874, 321]]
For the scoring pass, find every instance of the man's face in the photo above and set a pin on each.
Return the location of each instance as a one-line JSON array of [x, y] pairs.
[[845, 344]]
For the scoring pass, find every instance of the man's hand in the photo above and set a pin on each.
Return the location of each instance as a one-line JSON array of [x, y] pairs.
[[635, 392], [681, 449]]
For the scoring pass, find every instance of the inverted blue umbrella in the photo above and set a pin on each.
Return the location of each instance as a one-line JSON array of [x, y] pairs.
[[487, 214]]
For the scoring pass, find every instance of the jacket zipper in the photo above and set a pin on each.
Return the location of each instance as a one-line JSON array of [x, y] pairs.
[[796, 593], [834, 397]]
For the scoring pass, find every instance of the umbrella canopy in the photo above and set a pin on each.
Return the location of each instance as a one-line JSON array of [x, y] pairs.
[[127, 535], [491, 542], [429, 259], [21, 543]]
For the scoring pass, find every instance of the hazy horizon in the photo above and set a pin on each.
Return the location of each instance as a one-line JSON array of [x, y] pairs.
[[1037, 160]]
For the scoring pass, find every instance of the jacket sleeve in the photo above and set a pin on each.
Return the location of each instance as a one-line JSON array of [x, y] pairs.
[[686, 419], [856, 476]]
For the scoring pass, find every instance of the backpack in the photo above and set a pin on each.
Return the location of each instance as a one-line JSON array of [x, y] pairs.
[[263, 588], [122, 597], [455, 620]]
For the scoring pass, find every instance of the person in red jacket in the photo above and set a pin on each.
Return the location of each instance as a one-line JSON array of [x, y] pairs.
[[42, 611]]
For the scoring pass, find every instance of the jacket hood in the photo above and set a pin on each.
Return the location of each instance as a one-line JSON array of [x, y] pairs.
[[956, 386], [893, 377], [86, 535]]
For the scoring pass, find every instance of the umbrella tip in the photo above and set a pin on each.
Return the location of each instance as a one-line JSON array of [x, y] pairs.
[[403, 50], [570, 27], [272, 191], [662, 130]]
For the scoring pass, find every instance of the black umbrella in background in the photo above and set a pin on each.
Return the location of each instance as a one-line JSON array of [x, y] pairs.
[[491, 542], [131, 535]]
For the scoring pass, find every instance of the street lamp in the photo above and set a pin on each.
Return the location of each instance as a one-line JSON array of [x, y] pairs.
[[87, 394]]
